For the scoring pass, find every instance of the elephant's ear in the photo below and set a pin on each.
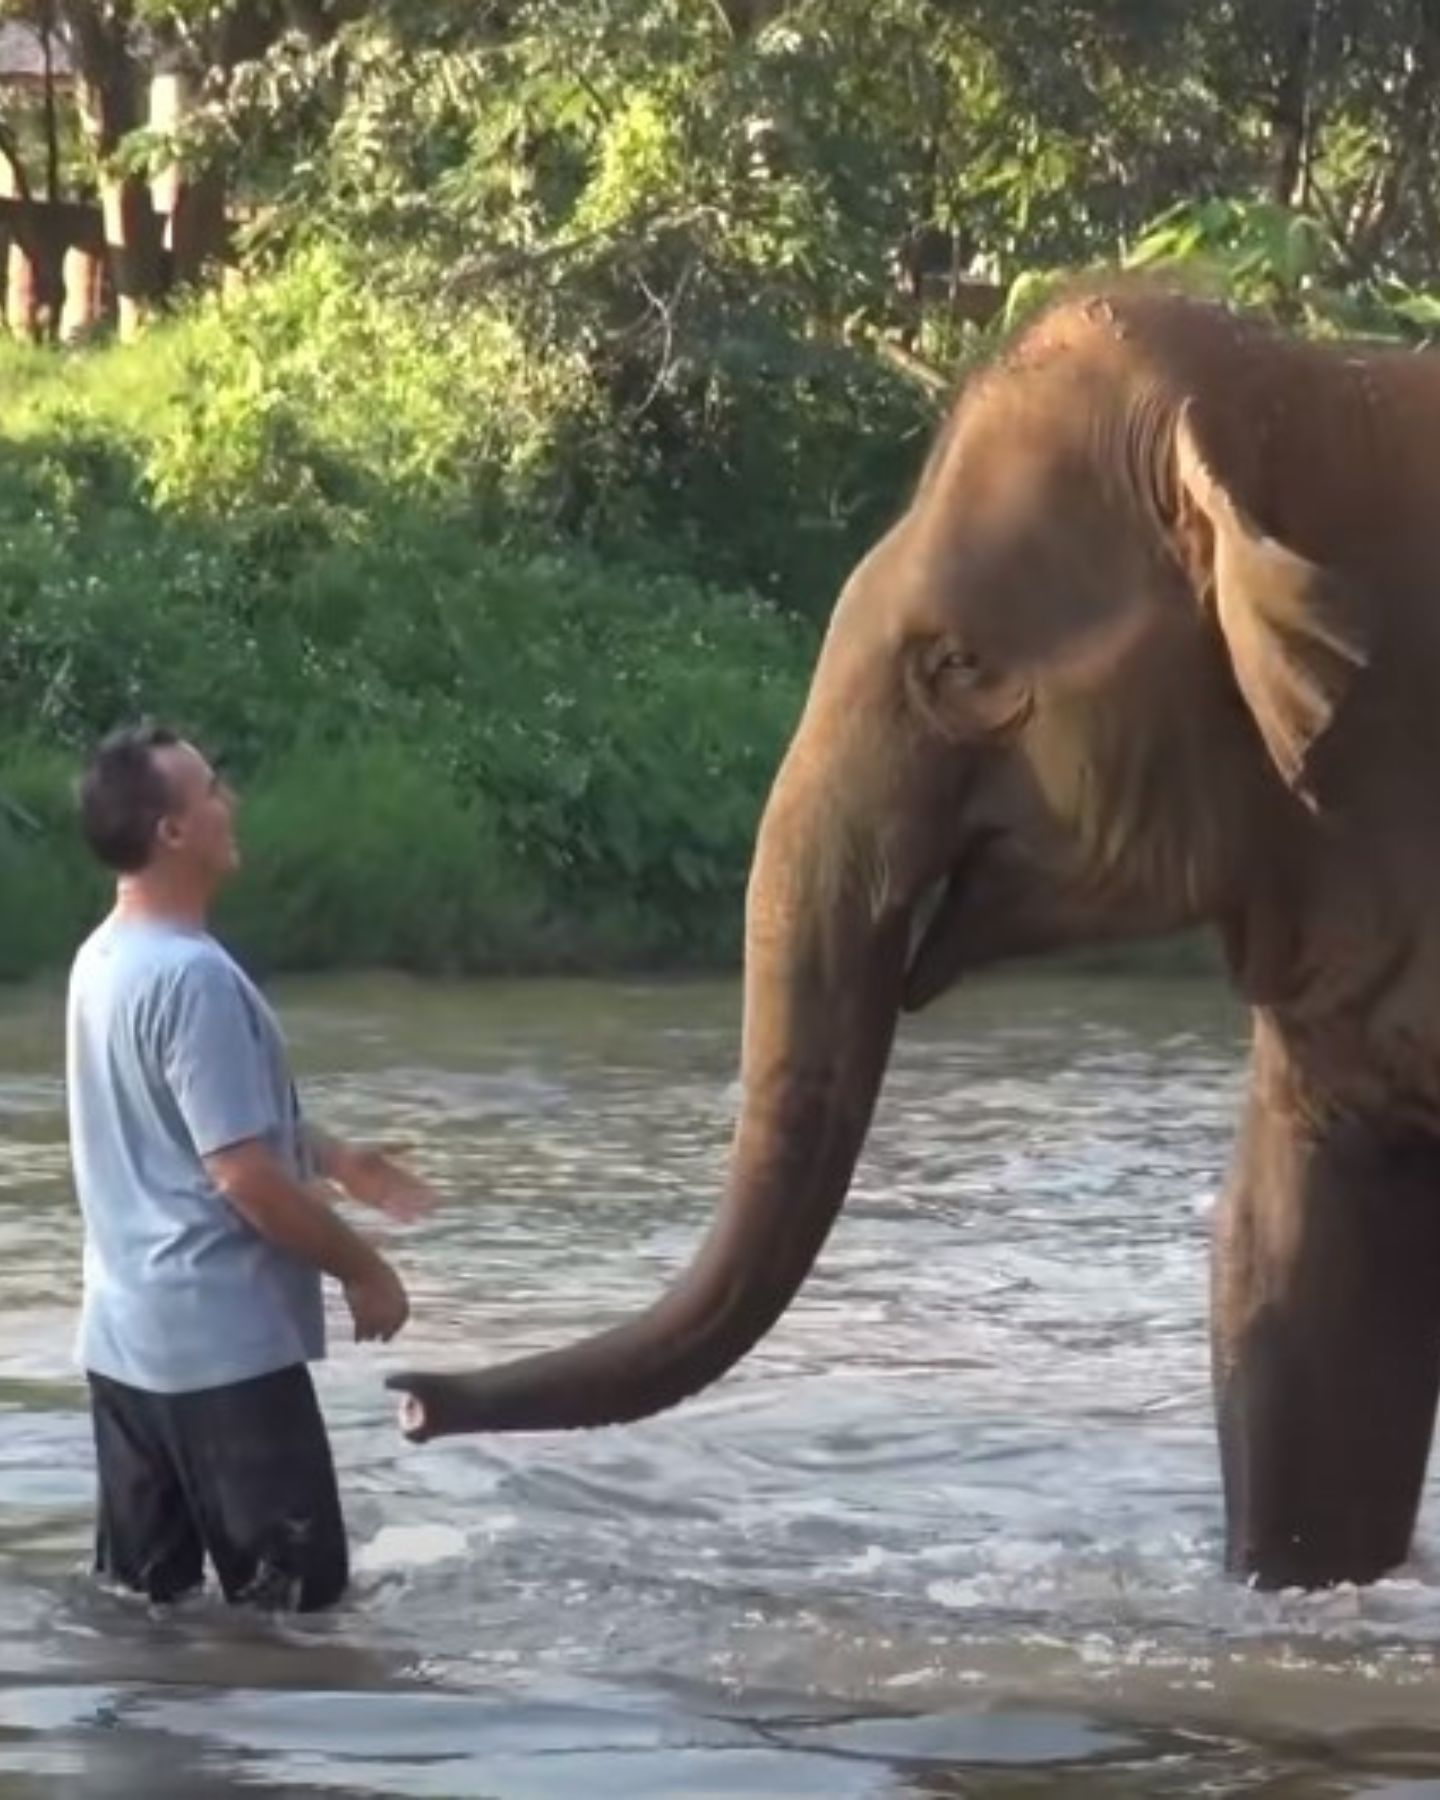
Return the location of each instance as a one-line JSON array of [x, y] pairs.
[[1296, 634]]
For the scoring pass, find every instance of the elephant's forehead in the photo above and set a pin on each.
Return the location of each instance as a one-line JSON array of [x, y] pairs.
[[1019, 491], [1014, 581], [994, 587], [1027, 436]]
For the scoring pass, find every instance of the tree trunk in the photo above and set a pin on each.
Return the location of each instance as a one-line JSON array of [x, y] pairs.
[[52, 122], [198, 232], [81, 311], [22, 311], [110, 91], [746, 18], [132, 243], [189, 201], [1290, 114], [19, 272], [1412, 137]]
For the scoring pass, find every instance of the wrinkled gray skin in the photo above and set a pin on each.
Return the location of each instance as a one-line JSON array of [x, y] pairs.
[[1155, 644]]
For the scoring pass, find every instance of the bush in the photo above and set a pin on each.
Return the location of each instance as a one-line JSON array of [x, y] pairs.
[[362, 855], [316, 396], [461, 753], [51, 893]]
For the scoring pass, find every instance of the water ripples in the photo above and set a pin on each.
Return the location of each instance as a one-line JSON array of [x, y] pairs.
[[975, 1462]]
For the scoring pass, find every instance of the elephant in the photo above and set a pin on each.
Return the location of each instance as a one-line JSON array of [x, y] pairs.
[[1154, 645]]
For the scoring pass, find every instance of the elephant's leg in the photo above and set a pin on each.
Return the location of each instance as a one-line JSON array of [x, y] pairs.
[[1326, 1339]]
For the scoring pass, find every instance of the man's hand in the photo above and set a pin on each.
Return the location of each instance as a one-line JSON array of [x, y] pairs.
[[273, 1203], [369, 1174], [378, 1303]]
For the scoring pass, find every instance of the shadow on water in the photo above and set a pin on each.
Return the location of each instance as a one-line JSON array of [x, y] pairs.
[[645, 1743], [953, 1529]]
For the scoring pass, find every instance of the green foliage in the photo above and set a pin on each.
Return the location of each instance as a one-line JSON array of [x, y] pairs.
[[628, 203], [320, 390], [1276, 259], [364, 854], [460, 751], [49, 890], [709, 215]]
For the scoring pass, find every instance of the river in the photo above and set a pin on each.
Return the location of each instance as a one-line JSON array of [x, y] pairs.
[[953, 1529]]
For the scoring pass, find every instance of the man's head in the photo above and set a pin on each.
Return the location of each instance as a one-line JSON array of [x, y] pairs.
[[150, 803]]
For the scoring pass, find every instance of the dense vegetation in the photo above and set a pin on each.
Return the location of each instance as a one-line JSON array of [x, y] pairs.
[[486, 529]]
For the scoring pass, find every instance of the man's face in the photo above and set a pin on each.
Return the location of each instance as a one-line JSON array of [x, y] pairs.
[[198, 833]]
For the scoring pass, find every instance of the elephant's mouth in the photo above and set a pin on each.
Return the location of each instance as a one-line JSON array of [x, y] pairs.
[[931, 966]]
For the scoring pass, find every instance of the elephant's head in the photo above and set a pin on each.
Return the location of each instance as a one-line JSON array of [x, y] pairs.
[[1075, 692]]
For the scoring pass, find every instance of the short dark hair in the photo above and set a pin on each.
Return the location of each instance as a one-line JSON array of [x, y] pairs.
[[124, 796]]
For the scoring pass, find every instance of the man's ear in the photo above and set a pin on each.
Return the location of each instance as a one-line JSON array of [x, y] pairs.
[[1296, 635]]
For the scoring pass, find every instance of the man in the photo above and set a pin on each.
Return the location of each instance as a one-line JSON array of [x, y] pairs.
[[205, 1241]]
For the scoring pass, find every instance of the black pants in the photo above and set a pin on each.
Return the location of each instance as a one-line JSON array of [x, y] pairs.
[[242, 1473]]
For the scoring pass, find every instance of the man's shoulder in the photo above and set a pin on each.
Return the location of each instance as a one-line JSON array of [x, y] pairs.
[[136, 961]]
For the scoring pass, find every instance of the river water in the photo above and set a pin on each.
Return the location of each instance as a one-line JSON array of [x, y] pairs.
[[954, 1529]]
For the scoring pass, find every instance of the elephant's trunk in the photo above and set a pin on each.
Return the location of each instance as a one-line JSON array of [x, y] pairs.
[[824, 962]]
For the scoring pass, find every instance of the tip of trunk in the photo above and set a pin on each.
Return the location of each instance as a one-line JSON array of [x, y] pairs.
[[689, 1339]]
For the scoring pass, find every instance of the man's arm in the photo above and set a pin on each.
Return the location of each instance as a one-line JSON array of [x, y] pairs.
[[226, 1095], [327, 1152], [368, 1174], [256, 1184]]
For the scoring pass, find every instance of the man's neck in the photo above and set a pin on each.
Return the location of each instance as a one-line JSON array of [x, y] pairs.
[[156, 899]]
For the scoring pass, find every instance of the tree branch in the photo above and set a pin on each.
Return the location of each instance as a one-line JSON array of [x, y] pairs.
[[913, 367]]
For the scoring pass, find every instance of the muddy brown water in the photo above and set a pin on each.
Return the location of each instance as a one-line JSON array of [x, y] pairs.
[[954, 1529]]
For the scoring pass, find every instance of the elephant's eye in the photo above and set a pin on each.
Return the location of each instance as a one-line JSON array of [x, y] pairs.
[[956, 666]]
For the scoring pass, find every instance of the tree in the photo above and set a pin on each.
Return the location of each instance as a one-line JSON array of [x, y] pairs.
[[142, 67]]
